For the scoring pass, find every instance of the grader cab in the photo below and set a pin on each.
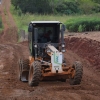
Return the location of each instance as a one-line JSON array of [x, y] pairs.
[[46, 60]]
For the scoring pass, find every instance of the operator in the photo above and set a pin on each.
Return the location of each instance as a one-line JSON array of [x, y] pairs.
[[47, 35]]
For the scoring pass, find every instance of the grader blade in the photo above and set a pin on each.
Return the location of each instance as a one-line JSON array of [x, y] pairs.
[[23, 70], [24, 76]]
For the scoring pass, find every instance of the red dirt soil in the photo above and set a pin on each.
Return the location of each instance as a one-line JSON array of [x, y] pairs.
[[10, 30], [86, 48], [83, 49]]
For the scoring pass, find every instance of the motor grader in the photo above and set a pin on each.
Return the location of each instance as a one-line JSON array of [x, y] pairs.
[[46, 60]]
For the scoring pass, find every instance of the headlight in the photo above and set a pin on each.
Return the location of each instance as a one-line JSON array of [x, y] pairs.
[[63, 45], [63, 50], [35, 46]]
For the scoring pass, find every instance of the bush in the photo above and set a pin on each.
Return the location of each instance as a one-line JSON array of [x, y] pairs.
[[81, 25], [80, 28], [68, 7], [97, 27], [57, 6]]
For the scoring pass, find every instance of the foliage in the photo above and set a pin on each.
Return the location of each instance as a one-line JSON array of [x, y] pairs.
[[76, 23], [97, 27], [57, 6], [83, 24], [89, 6], [97, 1], [68, 8], [32, 6], [80, 28], [23, 20]]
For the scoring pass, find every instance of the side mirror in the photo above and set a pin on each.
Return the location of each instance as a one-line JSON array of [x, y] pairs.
[[63, 27], [30, 28]]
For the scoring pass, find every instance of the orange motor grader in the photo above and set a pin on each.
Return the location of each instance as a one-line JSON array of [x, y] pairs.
[[46, 59]]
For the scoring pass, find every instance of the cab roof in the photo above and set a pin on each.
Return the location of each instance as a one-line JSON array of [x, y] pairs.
[[47, 22]]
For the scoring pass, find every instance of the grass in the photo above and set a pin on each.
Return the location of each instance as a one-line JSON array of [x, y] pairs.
[[22, 20], [84, 23]]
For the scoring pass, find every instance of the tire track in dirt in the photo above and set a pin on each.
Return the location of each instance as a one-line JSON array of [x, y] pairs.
[[3, 17], [11, 20], [13, 89], [10, 29]]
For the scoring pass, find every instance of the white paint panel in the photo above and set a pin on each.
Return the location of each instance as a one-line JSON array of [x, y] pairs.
[[56, 60]]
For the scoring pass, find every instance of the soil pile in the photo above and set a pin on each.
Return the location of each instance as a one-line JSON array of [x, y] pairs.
[[86, 48]]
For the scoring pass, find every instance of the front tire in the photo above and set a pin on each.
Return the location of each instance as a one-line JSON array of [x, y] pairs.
[[78, 73], [34, 74]]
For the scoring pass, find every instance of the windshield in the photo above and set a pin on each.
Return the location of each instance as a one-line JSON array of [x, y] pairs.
[[48, 32], [45, 34]]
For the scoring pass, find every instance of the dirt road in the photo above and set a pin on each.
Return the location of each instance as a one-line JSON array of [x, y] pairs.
[[77, 49], [10, 30], [12, 89]]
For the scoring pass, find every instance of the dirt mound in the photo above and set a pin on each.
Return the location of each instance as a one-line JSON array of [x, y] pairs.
[[9, 36], [94, 35], [86, 48]]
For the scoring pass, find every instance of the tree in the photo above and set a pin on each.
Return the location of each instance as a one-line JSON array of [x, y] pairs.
[[32, 6], [57, 6], [97, 1]]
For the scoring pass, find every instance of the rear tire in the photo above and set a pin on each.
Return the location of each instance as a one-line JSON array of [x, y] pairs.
[[78, 73], [34, 74]]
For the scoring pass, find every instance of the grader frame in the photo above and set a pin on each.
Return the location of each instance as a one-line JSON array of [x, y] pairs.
[[46, 60]]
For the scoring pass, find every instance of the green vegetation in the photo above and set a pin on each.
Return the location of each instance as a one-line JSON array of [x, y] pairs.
[[23, 20], [76, 23], [78, 15], [1, 26], [84, 23], [57, 6]]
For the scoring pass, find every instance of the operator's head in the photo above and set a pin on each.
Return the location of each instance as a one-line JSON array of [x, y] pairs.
[[49, 32]]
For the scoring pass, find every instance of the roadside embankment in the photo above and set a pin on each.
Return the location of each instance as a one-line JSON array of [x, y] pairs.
[[86, 48]]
